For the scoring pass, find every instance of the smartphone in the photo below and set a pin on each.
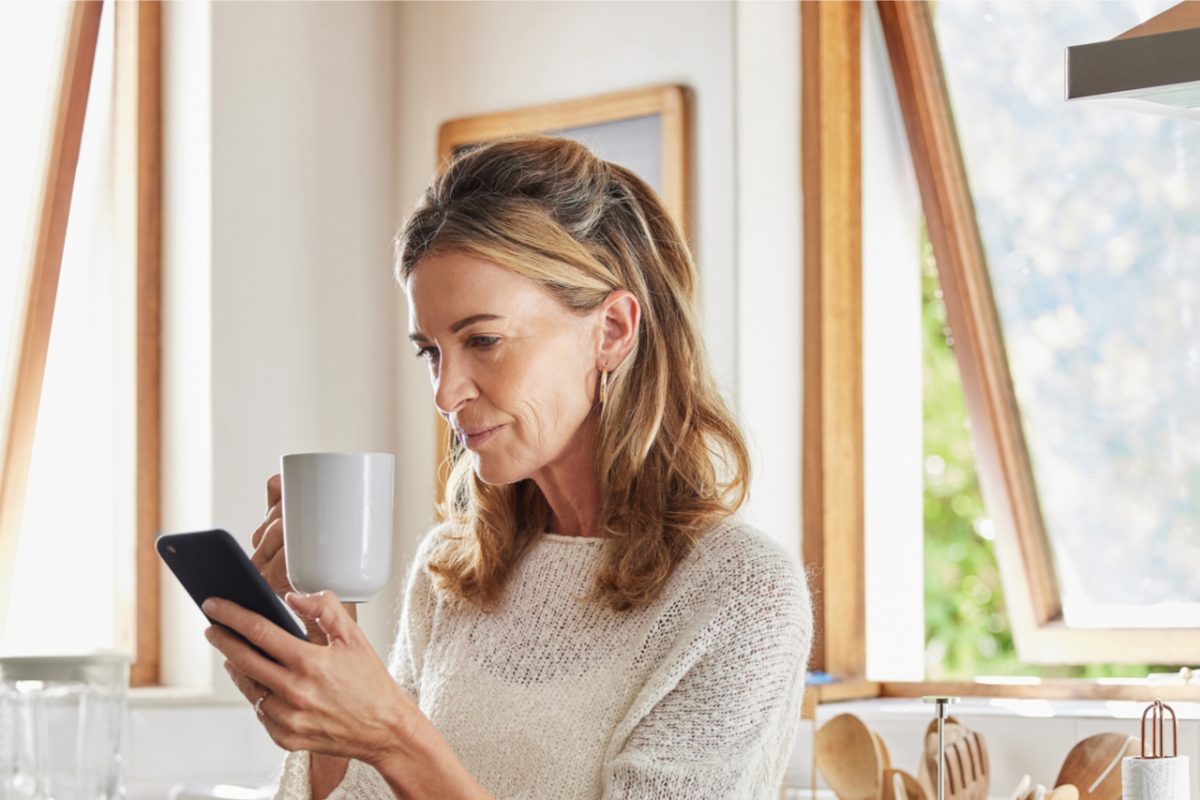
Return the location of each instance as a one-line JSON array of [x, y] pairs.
[[213, 564]]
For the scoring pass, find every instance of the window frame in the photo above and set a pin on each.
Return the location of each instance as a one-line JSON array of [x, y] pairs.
[[137, 216], [833, 540]]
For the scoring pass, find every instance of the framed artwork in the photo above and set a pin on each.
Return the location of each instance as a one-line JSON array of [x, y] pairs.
[[645, 130]]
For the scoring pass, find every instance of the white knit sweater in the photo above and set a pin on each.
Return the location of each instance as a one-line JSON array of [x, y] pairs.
[[696, 696]]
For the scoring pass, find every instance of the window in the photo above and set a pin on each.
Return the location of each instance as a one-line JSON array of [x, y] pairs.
[[1086, 217], [78, 490], [1058, 335]]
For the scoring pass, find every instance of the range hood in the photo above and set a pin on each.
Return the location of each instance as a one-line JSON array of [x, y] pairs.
[[1152, 67]]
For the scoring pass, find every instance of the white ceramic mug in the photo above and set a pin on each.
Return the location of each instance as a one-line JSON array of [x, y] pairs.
[[337, 522]]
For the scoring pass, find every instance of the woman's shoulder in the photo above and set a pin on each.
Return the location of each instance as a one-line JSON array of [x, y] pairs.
[[742, 558]]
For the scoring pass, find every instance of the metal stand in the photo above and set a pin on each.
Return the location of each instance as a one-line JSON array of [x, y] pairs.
[[942, 702]]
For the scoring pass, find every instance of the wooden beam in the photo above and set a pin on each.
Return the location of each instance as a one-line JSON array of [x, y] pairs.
[[833, 384], [34, 343], [1047, 689], [139, 178]]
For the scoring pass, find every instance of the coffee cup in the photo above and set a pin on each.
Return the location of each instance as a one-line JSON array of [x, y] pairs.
[[337, 522]]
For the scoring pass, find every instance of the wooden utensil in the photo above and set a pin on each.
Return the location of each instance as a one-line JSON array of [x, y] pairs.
[[980, 780], [1093, 766], [927, 768], [967, 769], [901, 785], [967, 781], [847, 754], [1064, 792]]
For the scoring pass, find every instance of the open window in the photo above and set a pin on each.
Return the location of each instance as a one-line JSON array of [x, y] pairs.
[[79, 480], [1066, 264]]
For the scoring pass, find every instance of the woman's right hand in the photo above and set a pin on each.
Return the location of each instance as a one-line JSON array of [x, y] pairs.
[[269, 558]]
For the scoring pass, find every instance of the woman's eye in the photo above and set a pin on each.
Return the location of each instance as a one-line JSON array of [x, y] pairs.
[[478, 342]]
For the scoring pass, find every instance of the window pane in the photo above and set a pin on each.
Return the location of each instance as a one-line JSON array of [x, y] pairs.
[[1088, 219], [76, 528], [32, 37]]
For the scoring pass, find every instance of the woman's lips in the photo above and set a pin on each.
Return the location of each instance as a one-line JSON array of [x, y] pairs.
[[476, 439]]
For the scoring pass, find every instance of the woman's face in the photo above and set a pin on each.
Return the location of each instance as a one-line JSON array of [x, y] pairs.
[[503, 354]]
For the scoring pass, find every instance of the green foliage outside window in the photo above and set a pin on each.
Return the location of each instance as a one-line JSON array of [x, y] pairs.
[[967, 632]]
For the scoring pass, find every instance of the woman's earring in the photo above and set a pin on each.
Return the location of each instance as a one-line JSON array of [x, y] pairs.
[[603, 386]]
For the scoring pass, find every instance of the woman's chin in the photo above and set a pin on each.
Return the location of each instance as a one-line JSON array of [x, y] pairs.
[[494, 476]]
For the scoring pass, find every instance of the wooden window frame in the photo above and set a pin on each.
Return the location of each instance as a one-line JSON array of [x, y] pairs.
[[833, 468], [137, 115], [671, 102]]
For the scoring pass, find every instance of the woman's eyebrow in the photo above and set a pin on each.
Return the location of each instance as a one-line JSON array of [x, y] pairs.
[[417, 336]]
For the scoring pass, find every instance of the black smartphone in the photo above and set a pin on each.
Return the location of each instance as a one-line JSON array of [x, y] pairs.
[[213, 564]]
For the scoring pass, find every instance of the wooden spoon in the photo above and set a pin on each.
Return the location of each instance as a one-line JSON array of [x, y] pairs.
[[847, 754], [1064, 792], [1093, 766], [900, 785]]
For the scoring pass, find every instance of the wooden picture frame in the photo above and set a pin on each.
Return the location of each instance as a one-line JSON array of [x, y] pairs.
[[645, 129]]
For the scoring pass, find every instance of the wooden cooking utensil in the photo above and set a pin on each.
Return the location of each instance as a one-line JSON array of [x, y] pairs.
[[847, 754], [980, 778], [1064, 792], [927, 768], [901, 785], [967, 768], [1093, 766]]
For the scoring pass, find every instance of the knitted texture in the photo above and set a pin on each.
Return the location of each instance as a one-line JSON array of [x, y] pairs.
[[549, 697]]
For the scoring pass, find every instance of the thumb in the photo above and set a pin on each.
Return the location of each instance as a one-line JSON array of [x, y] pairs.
[[326, 610]]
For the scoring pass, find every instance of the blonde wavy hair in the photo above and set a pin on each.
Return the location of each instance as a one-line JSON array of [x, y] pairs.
[[671, 460]]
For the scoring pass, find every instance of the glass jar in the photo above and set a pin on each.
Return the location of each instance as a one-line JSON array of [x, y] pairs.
[[62, 720]]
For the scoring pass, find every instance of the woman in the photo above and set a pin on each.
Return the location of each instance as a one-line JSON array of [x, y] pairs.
[[590, 619]]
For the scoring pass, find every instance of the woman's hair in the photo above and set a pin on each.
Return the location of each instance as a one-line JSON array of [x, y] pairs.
[[671, 460]]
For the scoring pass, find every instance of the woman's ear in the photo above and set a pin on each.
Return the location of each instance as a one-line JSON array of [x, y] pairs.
[[620, 316]]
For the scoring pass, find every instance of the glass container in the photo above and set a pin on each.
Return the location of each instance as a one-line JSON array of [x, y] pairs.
[[62, 720]]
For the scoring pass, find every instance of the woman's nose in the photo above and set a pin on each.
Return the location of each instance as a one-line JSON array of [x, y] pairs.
[[452, 387]]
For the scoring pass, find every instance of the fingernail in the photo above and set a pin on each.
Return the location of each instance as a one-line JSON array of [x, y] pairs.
[[209, 633], [209, 605]]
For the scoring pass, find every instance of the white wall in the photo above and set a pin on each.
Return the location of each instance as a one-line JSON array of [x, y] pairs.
[[278, 298], [894, 518], [769, 270]]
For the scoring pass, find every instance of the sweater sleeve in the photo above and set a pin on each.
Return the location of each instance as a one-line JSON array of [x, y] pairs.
[[719, 717], [405, 662]]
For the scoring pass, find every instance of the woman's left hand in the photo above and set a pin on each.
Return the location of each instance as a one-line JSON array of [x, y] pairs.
[[337, 699]]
